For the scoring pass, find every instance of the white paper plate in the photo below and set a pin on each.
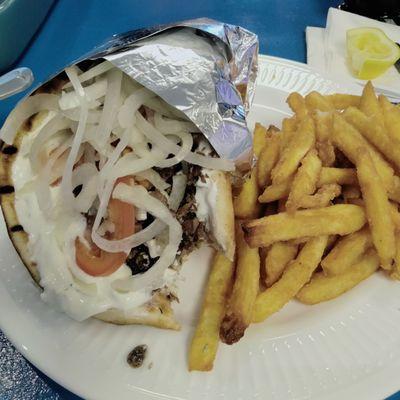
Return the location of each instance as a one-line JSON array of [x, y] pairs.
[[347, 348]]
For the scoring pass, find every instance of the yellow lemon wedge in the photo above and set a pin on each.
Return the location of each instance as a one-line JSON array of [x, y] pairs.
[[370, 52]]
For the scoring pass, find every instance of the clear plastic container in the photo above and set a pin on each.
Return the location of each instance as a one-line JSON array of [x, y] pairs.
[[19, 20]]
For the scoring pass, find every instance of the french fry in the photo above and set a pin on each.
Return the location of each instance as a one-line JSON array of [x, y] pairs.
[[245, 289], [260, 138], [204, 345], [391, 116], [266, 161], [296, 149], [289, 124], [375, 133], [297, 104], [347, 252], [326, 153], [322, 288], [341, 176], [295, 276], [322, 198], [340, 219], [342, 101], [349, 140], [323, 128], [276, 191], [305, 180], [315, 101], [323, 125], [395, 273], [246, 204], [394, 212], [394, 190], [369, 103], [277, 258], [377, 208]]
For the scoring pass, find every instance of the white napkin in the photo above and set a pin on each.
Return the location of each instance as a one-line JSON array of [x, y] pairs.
[[315, 38], [333, 42]]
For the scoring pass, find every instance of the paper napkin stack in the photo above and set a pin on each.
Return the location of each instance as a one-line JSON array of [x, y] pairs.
[[326, 49]]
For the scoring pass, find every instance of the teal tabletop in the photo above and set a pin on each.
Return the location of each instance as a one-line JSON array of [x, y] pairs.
[[73, 27]]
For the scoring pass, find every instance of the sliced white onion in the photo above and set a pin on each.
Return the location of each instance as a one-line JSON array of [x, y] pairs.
[[92, 73], [54, 125], [155, 179], [168, 126], [177, 192], [86, 175], [130, 164], [126, 115], [90, 154], [24, 110], [138, 196], [57, 169], [187, 143], [93, 92], [74, 113], [115, 155], [111, 105], [42, 187], [66, 182], [158, 139]]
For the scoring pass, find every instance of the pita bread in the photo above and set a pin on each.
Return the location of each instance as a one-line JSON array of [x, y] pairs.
[[157, 311]]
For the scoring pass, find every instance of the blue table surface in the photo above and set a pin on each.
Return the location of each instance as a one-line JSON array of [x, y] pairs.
[[73, 27]]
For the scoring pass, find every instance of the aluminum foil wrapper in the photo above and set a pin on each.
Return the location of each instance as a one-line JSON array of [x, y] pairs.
[[205, 68]]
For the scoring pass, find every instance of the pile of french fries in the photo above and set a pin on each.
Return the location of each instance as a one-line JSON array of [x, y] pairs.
[[316, 215]]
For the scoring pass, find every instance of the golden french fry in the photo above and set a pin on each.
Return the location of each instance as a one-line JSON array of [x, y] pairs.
[[375, 133], [369, 103], [299, 241], [341, 176], [315, 101], [305, 180], [342, 101], [391, 116], [323, 129], [340, 219], [326, 152], [347, 252], [296, 149], [322, 288], [395, 273], [276, 191], [351, 192], [246, 204], [266, 161], [394, 190], [349, 140], [322, 198], [259, 138], [323, 125], [377, 208], [394, 212], [289, 124], [277, 258], [297, 104], [204, 345], [295, 276], [245, 289]]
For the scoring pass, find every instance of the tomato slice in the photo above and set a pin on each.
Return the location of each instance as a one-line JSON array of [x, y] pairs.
[[97, 262]]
